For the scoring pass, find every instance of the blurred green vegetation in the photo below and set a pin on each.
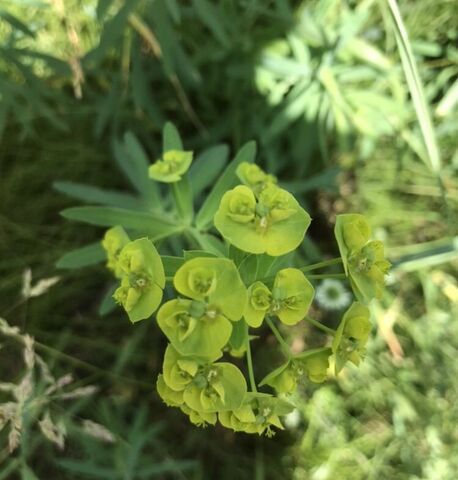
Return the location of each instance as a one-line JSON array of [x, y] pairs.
[[321, 87]]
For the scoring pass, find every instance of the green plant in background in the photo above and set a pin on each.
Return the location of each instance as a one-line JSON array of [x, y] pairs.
[[228, 284]]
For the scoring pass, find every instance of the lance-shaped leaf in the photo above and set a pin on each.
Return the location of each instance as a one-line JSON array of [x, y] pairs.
[[351, 336], [215, 281], [191, 330], [143, 279], [113, 242], [274, 223], [292, 295], [217, 388], [258, 304]]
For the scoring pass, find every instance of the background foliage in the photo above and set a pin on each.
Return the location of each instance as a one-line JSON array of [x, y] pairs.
[[325, 88]]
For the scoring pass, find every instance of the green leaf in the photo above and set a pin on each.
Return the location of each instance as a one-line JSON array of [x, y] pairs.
[[210, 16], [134, 163], [171, 264], [226, 181], [416, 88], [190, 254], [16, 23], [108, 304], [206, 168], [90, 194], [82, 257], [171, 139], [148, 223], [239, 335]]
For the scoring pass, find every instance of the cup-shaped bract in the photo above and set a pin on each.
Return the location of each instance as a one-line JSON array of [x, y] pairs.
[[254, 177], [179, 370], [200, 419], [292, 295], [274, 223], [171, 167], [283, 379], [352, 232], [216, 388], [169, 396], [351, 336], [215, 281], [113, 242], [143, 279], [367, 269], [258, 304], [258, 414], [192, 329], [314, 363]]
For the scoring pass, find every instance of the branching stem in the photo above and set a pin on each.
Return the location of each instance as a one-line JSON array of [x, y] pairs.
[[278, 336], [319, 325]]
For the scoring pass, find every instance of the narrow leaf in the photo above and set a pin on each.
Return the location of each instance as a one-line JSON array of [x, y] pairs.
[[82, 257]]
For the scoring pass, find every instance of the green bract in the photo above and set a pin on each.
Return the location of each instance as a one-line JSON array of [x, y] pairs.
[[192, 328], [292, 295], [216, 388], [254, 177], [114, 240], [274, 223], [171, 167], [313, 363], [364, 261], [351, 336], [214, 281], [290, 299], [258, 305], [142, 279], [258, 414], [283, 379]]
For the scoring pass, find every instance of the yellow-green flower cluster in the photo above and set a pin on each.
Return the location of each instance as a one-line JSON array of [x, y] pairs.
[[289, 300], [260, 217], [171, 167], [363, 259], [139, 267]]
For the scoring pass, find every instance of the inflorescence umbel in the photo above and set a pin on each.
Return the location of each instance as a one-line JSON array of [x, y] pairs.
[[240, 280]]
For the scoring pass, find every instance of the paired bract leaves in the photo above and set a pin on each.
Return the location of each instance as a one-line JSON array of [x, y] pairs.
[[215, 281], [113, 241], [351, 336], [142, 279], [171, 167], [274, 223], [254, 177], [363, 260], [289, 300]]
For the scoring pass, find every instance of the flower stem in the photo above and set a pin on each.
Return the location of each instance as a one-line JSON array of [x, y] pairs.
[[325, 263], [319, 325], [278, 336], [340, 276], [249, 360]]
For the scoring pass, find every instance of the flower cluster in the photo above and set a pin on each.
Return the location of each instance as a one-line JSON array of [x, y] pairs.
[[261, 217], [139, 267], [363, 259], [220, 296]]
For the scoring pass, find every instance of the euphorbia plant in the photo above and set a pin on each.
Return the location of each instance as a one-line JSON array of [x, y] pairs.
[[235, 273]]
